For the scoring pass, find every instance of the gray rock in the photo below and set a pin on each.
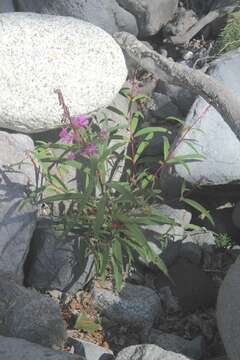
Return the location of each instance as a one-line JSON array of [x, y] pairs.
[[198, 245], [183, 21], [228, 311], [169, 301], [192, 252], [150, 15], [107, 14], [136, 306], [42, 53], [236, 215], [192, 348], [89, 350], [182, 98], [147, 352], [17, 223], [16, 349], [210, 132], [165, 239], [56, 263], [163, 107], [26, 314], [200, 237], [6, 6], [192, 287]]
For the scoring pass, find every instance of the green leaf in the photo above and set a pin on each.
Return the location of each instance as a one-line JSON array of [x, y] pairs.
[[63, 197], [142, 146], [182, 122], [148, 130], [194, 204], [140, 96], [137, 116], [119, 187], [86, 324], [166, 147], [97, 224], [125, 92], [117, 111], [185, 158], [117, 262], [104, 259]]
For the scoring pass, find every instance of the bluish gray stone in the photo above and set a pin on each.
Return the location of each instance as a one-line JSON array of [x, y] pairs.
[[151, 15], [170, 342], [136, 306], [228, 311], [26, 314], [107, 14], [6, 6], [17, 222], [55, 263], [16, 349]]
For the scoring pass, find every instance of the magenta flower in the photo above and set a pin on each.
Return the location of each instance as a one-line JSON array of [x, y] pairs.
[[71, 155], [79, 121], [104, 133], [66, 136], [90, 150]]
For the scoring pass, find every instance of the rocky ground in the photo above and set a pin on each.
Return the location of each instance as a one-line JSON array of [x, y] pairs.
[[51, 303]]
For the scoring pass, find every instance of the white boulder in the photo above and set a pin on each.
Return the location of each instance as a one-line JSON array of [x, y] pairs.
[[42, 53], [211, 135]]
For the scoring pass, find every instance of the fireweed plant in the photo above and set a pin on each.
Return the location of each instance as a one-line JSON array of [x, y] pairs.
[[108, 215]]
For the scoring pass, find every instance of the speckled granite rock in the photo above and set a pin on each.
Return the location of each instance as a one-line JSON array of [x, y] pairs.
[[136, 306], [147, 352], [42, 53]]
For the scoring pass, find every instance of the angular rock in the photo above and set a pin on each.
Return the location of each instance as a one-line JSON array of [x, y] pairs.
[[183, 20], [107, 14], [168, 300], [150, 15], [192, 287], [17, 223], [6, 6], [192, 252], [56, 263], [192, 348], [42, 53], [89, 350], [16, 349], [147, 352], [136, 306], [228, 311], [209, 132], [26, 314], [165, 239], [163, 107]]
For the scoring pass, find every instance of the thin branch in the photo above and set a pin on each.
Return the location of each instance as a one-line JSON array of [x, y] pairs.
[[212, 90]]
